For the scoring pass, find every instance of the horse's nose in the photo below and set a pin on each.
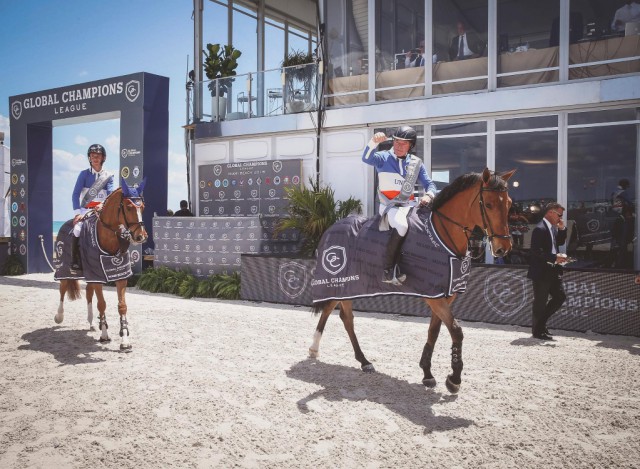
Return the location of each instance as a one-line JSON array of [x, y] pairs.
[[499, 252]]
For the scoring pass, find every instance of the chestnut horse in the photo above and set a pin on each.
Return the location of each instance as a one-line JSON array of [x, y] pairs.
[[119, 224], [471, 200]]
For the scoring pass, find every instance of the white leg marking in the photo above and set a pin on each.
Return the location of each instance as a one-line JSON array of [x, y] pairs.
[[90, 316], [105, 335], [314, 350], [58, 318]]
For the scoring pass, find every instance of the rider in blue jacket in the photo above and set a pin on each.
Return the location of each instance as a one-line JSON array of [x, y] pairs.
[[92, 188], [395, 167]]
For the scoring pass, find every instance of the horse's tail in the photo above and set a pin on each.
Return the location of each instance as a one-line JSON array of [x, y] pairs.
[[73, 291], [320, 305]]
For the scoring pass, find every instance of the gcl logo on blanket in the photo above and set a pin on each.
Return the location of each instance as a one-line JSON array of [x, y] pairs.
[[292, 279], [334, 259]]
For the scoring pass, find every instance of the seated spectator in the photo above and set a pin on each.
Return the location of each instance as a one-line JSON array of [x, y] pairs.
[[466, 45]]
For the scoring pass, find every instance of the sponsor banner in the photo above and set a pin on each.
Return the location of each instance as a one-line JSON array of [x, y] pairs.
[[600, 302], [247, 189], [207, 246]]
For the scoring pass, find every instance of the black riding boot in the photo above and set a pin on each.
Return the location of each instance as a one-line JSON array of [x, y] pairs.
[[392, 272], [76, 262]]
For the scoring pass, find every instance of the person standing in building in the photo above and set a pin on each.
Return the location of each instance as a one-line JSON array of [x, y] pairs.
[[184, 210], [398, 170], [627, 13], [92, 188], [545, 268], [623, 227]]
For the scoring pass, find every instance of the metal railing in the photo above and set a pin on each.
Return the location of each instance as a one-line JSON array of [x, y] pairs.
[[286, 90]]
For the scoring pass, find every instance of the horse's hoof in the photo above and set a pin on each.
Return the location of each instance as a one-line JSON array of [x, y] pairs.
[[57, 319], [125, 347], [92, 328], [429, 382], [451, 386], [105, 340], [368, 368], [314, 353]]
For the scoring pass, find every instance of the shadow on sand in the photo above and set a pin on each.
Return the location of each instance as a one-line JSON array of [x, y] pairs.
[[411, 401], [68, 347]]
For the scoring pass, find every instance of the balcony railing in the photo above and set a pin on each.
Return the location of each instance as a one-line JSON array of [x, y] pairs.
[[287, 90]]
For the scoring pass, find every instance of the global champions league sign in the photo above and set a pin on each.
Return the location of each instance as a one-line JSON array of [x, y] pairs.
[[140, 101], [76, 100]]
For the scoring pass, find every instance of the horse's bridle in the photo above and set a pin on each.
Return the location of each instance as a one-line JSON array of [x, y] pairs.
[[124, 232], [486, 223]]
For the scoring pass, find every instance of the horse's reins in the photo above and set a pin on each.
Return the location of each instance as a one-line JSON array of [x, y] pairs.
[[123, 233], [486, 222]]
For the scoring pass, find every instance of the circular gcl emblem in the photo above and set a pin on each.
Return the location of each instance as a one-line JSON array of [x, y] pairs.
[[124, 172], [505, 293]]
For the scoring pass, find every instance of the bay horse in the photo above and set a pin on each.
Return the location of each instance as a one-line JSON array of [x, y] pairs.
[[119, 223], [472, 200]]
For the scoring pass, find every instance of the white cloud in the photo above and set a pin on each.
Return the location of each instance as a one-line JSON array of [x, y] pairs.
[[113, 144], [81, 140]]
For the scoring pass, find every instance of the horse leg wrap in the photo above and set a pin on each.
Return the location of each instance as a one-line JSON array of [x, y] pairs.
[[123, 327], [425, 363], [425, 359], [456, 360], [103, 322]]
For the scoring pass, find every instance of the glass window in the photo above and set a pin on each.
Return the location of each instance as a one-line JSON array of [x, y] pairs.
[[459, 45], [527, 123], [601, 198], [454, 156], [400, 45], [459, 128], [598, 33], [527, 40], [613, 115], [347, 42], [534, 156]]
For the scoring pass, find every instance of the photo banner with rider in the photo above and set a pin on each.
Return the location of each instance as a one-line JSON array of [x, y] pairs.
[[140, 101]]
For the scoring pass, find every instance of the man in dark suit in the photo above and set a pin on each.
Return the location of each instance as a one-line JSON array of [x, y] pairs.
[[466, 45], [545, 268]]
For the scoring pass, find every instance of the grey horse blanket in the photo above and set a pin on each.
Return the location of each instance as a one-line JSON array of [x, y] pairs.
[[97, 265], [350, 257]]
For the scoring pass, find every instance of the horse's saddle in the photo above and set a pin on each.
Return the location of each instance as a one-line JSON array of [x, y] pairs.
[[351, 252], [97, 265]]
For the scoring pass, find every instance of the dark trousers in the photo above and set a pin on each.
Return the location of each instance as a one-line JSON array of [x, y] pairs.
[[543, 307]]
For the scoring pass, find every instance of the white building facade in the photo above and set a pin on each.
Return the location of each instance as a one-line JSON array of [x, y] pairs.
[[550, 88]]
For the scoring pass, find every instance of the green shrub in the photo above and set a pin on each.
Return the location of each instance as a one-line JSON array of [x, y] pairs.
[[228, 286], [13, 266], [186, 285]]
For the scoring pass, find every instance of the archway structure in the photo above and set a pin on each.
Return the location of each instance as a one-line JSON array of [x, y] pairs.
[[140, 101]]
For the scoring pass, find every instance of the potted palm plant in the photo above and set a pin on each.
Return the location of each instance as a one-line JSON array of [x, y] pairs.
[[298, 79], [312, 211], [219, 65]]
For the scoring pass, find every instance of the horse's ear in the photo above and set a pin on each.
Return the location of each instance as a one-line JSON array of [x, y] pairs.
[[125, 188], [141, 186], [506, 176], [486, 175]]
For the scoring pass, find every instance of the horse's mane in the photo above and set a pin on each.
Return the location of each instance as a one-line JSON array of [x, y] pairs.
[[464, 182]]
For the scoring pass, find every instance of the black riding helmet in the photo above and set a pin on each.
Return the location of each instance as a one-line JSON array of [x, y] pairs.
[[406, 133], [97, 148]]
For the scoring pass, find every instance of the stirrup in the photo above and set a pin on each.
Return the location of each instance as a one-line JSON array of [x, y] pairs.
[[399, 275]]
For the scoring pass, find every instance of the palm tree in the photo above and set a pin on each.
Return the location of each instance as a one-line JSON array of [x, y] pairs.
[[312, 211]]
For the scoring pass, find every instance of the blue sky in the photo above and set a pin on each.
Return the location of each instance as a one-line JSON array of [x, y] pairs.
[[53, 43]]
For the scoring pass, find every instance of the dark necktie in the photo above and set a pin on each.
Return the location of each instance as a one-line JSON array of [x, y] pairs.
[[461, 48]]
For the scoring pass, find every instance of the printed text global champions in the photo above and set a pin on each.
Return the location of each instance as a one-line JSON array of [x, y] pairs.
[[72, 96]]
